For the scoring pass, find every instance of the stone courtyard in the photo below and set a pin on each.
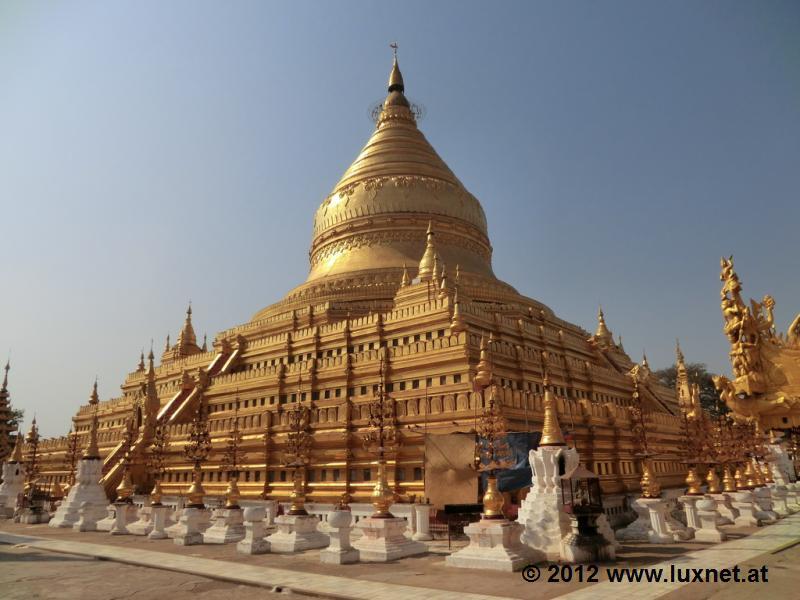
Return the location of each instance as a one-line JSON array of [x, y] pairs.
[[32, 556]]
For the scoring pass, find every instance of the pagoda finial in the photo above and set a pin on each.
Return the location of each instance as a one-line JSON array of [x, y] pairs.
[[603, 335], [443, 282], [678, 354], [644, 360], [5, 376], [457, 324], [91, 451], [551, 430], [187, 340], [94, 398], [140, 366], [405, 280], [205, 343], [167, 346], [395, 77], [429, 261], [483, 376], [16, 455]]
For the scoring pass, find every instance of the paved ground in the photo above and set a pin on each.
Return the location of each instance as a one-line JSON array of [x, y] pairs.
[[421, 577], [28, 574]]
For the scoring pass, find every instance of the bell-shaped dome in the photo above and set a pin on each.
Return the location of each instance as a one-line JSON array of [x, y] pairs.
[[378, 214]]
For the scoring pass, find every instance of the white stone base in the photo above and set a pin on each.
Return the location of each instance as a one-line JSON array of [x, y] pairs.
[[33, 516], [650, 524], [743, 503], [254, 532], [383, 540], [779, 504], [190, 532], [296, 533], [493, 544], [707, 513], [13, 485], [107, 523], [144, 525], [339, 557], [727, 513], [227, 527], [126, 514], [158, 521], [86, 491], [339, 552], [89, 516], [763, 502]]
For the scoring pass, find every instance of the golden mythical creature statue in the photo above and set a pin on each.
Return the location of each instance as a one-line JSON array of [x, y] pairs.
[[765, 364]]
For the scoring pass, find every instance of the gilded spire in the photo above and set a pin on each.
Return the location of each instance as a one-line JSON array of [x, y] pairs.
[[187, 337], [603, 335], [94, 398], [396, 77], [551, 430], [483, 376], [205, 343], [140, 366], [405, 281], [91, 450], [429, 261], [645, 364], [16, 455], [167, 346], [457, 324], [443, 284], [33, 433], [5, 376]]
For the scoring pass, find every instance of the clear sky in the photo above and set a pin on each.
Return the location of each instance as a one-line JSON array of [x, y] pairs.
[[157, 152]]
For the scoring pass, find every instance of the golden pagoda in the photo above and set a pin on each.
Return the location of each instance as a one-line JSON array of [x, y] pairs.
[[400, 268]]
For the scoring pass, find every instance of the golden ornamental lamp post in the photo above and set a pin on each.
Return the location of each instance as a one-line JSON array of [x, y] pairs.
[[692, 450], [71, 459], [491, 453], [231, 461], [32, 459], [196, 450], [381, 439], [125, 488], [297, 454], [157, 461], [648, 483]]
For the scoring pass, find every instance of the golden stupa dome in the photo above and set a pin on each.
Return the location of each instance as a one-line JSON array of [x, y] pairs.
[[378, 214], [377, 226]]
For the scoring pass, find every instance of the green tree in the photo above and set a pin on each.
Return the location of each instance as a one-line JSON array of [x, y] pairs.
[[699, 374], [16, 417]]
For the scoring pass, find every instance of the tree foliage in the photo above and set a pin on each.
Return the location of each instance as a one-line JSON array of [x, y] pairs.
[[699, 374]]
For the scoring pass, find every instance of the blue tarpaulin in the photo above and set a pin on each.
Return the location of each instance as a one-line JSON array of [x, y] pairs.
[[519, 475]]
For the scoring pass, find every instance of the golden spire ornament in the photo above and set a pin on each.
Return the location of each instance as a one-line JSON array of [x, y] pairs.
[[197, 449], [232, 459], [297, 454], [157, 461], [405, 281], [381, 439], [492, 452], [457, 324], [16, 454], [551, 430], [428, 261]]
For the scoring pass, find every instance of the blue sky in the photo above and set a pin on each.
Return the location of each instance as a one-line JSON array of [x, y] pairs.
[[156, 152]]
